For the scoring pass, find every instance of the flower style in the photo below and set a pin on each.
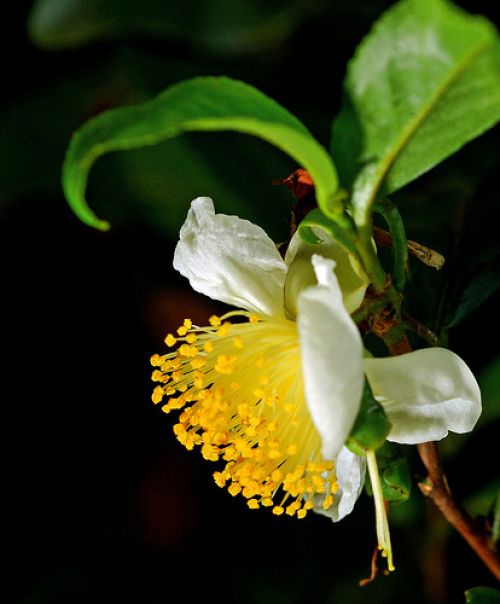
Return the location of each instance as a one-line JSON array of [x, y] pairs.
[[272, 390]]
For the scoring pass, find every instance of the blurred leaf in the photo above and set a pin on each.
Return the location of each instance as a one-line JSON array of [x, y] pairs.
[[495, 531], [395, 473], [424, 82], [222, 26], [35, 130], [455, 211], [371, 426], [200, 104], [482, 595], [482, 286]]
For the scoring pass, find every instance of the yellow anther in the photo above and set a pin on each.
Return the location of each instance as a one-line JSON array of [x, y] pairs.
[[182, 330], [208, 346], [157, 395], [214, 321], [157, 375], [291, 449], [198, 379], [274, 454], [253, 319], [271, 426], [327, 502], [191, 338], [277, 476], [157, 360], [238, 342], [234, 489], [225, 363], [223, 329], [170, 340], [302, 513], [253, 504], [278, 510], [209, 452], [258, 392], [267, 502], [188, 351], [220, 479], [244, 411], [293, 508], [198, 362]]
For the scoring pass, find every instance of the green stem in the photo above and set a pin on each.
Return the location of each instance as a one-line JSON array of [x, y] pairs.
[[394, 221], [370, 260]]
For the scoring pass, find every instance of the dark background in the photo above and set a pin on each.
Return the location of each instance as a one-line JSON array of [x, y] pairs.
[[99, 501]]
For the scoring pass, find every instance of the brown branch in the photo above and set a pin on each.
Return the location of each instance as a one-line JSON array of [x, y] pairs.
[[425, 254], [436, 488]]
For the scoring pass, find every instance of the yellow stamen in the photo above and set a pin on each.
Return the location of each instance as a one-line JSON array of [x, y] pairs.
[[247, 411]]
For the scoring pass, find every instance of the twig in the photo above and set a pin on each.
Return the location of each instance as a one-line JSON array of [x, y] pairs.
[[374, 569], [436, 488]]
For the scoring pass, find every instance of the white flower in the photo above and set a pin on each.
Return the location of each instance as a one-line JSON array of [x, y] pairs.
[[274, 392]]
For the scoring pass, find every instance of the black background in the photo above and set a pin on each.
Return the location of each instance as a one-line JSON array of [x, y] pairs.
[[99, 502]]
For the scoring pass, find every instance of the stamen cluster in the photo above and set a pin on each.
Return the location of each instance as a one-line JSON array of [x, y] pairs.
[[240, 390]]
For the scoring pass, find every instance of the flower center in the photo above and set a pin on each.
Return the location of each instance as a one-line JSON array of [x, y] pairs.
[[241, 392]]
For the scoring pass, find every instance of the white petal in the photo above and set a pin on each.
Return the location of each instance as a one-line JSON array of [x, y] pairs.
[[353, 281], [332, 358], [230, 259], [350, 470], [425, 394]]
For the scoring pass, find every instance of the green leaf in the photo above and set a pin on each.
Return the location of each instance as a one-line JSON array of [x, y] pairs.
[[482, 595], [371, 426], [200, 104], [425, 81]]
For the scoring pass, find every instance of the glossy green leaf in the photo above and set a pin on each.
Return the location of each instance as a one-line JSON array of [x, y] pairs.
[[200, 104], [425, 81], [371, 426], [482, 595]]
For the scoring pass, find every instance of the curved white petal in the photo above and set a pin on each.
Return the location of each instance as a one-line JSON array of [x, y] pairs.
[[230, 259], [352, 279], [351, 471], [332, 358], [425, 394]]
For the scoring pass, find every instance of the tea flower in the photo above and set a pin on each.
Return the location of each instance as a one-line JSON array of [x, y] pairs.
[[272, 391]]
